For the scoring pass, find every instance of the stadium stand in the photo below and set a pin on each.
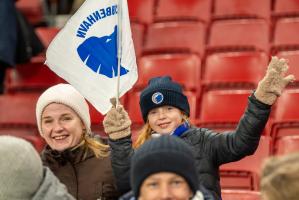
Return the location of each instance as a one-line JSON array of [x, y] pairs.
[[141, 11], [286, 33], [252, 34], [177, 10], [214, 112], [287, 145], [176, 37], [286, 7], [286, 115], [245, 174], [240, 195], [138, 37], [183, 68], [234, 69], [226, 9], [30, 77]]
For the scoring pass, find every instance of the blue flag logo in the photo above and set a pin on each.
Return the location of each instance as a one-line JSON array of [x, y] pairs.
[[100, 55]]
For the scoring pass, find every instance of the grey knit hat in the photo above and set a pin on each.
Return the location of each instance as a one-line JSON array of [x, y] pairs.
[[163, 154], [21, 169], [65, 94], [163, 91]]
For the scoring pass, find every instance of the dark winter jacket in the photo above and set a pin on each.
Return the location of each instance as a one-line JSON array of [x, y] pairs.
[[86, 178], [211, 149], [51, 188]]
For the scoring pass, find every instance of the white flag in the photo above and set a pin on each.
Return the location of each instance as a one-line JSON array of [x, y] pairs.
[[84, 52]]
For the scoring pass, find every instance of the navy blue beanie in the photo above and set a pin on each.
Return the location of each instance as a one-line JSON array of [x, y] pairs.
[[162, 91], [163, 154]]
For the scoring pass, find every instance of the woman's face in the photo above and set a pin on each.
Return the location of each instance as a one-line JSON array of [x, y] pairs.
[[61, 126], [165, 119], [165, 185]]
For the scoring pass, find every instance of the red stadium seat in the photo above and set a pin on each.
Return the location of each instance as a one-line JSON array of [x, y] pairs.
[[133, 108], [214, 112], [286, 7], [245, 174], [183, 68], [250, 34], [176, 37], [183, 10], [293, 61], [286, 145], [235, 69], [32, 9], [242, 9], [46, 34], [240, 195], [18, 110], [141, 11], [138, 37], [286, 115], [286, 33], [30, 77]]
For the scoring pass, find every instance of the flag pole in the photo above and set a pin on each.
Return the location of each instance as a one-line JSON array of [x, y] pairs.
[[119, 48]]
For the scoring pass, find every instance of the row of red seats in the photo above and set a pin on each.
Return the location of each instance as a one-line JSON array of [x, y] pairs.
[[149, 11], [221, 35], [225, 69]]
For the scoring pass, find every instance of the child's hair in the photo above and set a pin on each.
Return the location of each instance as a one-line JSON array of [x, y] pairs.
[[146, 132], [280, 178]]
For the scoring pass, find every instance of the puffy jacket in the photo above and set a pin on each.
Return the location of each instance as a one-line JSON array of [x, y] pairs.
[[211, 148], [86, 177]]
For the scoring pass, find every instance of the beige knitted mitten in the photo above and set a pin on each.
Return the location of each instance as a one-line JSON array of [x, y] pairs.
[[271, 86], [117, 123]]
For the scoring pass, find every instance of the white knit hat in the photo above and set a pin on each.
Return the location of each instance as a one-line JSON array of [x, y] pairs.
[[65, 94], [21, 169]]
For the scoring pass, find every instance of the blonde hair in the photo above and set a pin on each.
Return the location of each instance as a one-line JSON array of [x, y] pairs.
[[98, 148], [280, 178], [146, 132]]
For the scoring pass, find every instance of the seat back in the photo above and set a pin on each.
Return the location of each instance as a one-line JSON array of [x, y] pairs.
[[235, 69], [176, 37], [239, 34], [183, 10], [242, 9], [183, 68], [245, 174]]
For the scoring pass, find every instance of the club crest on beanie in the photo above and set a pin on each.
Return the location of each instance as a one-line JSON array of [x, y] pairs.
[[163, 154], [162, 91], [65, 94]]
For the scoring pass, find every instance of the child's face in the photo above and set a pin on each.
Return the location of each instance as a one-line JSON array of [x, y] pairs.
[[165, 185], [165, 119]]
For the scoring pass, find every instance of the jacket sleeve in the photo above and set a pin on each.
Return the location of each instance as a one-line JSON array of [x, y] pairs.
[[121, 153], [232, 146]]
